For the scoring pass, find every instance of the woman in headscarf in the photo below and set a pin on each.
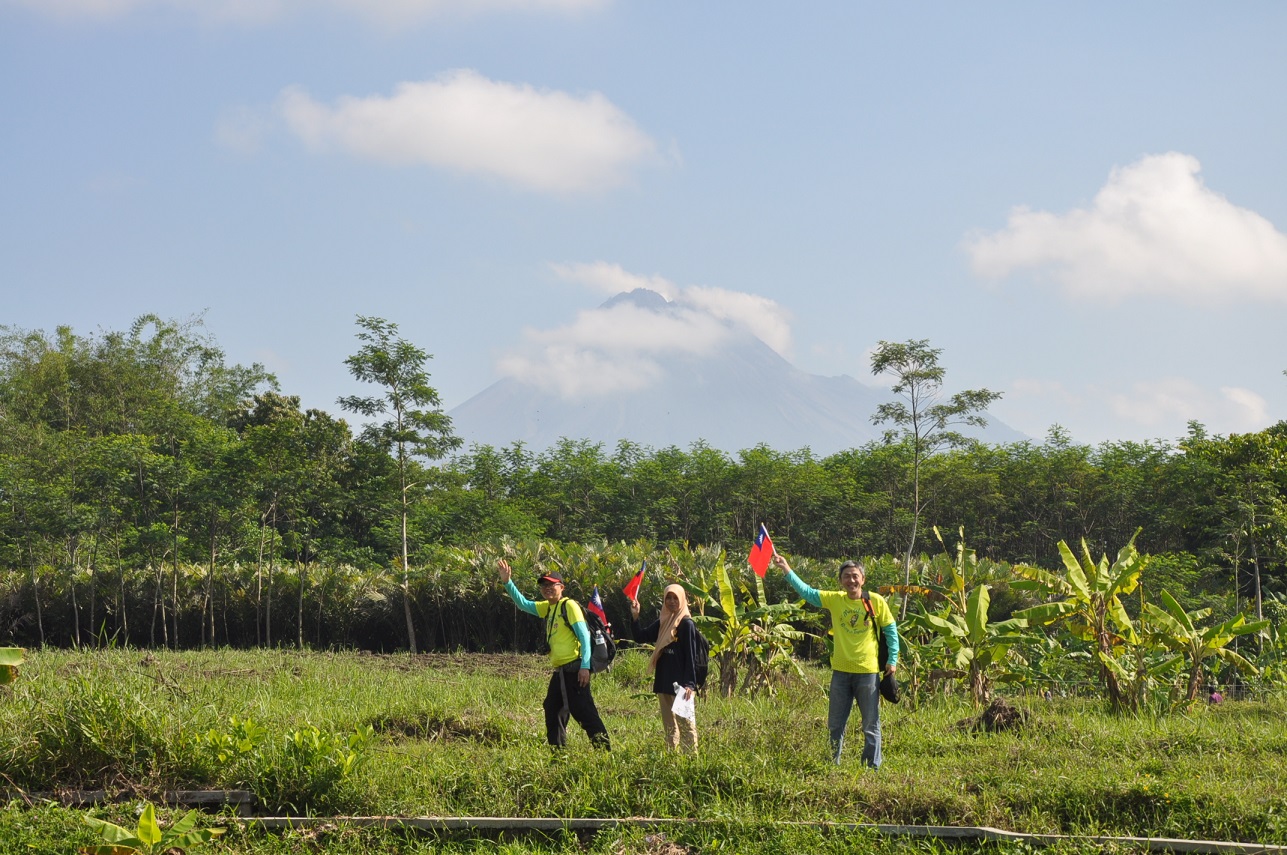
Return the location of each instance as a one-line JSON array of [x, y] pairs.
[[673, 662]]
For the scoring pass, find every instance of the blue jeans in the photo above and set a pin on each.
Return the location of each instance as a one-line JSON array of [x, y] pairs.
[[865, 689]]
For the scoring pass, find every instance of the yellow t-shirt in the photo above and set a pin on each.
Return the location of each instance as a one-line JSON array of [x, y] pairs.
[[564, 646], [857, 649]]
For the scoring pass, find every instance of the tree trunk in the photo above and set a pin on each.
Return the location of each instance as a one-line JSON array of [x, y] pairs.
[[259, 580], [93, 592], [75, 635], [406, 567], [174, 590], [299, 612], [207, 599], [272, 568], [123, 605], [1255, 562], [1195, 681], [35, 593]]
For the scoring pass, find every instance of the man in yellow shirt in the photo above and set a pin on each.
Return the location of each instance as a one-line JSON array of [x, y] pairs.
[[855, 620], [568, 640]]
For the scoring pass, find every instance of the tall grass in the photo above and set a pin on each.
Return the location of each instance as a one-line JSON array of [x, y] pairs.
[[463, 736]]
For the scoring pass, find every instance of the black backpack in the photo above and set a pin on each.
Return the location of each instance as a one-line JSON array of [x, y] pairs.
[[701, 657], [603, 647]]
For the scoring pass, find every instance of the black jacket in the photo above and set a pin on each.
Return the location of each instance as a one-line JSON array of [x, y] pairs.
[[677, 663]]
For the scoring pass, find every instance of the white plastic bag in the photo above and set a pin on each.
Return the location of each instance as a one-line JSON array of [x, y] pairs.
[[684, 707]]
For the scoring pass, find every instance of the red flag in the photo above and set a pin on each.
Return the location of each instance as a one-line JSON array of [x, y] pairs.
[[595, 605], [631, 590], [761, 552]]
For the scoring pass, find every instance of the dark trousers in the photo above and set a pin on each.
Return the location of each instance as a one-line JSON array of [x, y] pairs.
[[566, 696]]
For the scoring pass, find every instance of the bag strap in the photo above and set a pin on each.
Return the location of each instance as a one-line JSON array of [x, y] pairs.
[[866, 602], [549, 619]]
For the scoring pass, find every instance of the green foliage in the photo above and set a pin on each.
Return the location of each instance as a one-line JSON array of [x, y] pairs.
[[923, 421], [311, 770], [10, 659], [1087, 600], [1178, 631], [148, 836], [973, 643], [91, 733], [749, 635], [241, 740], [418, 426], [155, 495]]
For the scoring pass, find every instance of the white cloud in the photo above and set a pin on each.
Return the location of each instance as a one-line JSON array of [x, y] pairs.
[[540, 139], [1176, 400], [1154, 228], [1159, 407], [760, 315], [382, 13], [608, 278], [623, 347], [390, 13]]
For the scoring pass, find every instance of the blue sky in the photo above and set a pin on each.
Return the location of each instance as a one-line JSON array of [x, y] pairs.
[[1084, 205]]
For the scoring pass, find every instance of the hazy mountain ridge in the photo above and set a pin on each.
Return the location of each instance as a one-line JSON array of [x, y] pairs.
[[738, 397]]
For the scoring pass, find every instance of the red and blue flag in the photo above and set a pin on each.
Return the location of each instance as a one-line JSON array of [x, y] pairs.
[[631, 590], [596, 605], [761, 552]]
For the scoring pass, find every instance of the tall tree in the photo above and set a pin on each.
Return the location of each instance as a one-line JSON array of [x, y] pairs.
[[922, 418], [417, 427]]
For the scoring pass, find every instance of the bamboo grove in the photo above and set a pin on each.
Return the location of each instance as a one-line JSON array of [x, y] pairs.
[[152, 494]]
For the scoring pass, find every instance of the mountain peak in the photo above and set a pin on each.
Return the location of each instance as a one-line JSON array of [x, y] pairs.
[[640, 297]]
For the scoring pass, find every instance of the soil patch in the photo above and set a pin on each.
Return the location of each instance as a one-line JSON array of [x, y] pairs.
[[997, 717]]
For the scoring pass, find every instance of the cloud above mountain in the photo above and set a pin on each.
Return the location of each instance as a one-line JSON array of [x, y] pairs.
[[623, 345], [1153, 229], [382, 13], [538, 139], [760, 316]]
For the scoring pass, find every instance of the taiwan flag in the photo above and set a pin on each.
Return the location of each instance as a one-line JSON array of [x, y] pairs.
[[596, 605], [631, 590], [761, 552]]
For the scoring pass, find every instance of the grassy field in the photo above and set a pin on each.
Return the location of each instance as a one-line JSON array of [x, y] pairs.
[[438, 735]]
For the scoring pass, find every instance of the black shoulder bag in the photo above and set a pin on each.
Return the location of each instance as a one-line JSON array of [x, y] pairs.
[[888, 685]]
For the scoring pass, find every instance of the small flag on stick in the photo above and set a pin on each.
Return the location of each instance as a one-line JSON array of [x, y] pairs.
[[761, 552], [631, 590], [596, 605]]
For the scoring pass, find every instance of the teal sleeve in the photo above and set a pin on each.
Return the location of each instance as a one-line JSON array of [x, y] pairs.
[[583, 636], [519, 600], [810, 595], [891, 638]]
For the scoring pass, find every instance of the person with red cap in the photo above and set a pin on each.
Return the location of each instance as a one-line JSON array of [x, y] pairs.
[[568, 641]]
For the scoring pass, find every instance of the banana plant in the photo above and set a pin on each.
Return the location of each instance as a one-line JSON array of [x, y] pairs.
[[753, 636], [974, 643], [10, 659], [1178, 631], [148, 837], [1087, 599]]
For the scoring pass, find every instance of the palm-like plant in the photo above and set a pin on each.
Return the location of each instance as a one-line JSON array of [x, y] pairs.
[[1088, 600], [1179, 632], [754, 636], [975, 643]]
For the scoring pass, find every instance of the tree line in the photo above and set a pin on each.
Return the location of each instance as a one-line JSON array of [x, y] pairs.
[[153, 493]]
